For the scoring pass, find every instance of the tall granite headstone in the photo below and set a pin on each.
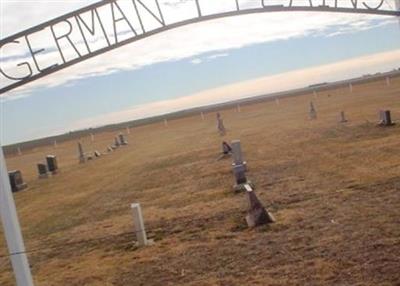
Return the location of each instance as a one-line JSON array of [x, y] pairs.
[[52, 164], [42, 170], [16, 181]]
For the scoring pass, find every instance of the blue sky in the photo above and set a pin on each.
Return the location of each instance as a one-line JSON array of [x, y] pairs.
[[84, 102]]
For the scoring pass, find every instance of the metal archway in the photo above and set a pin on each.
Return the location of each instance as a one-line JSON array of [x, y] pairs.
[[140, 30]]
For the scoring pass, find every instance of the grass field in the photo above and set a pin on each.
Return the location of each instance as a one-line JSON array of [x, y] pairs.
[[333, 188]]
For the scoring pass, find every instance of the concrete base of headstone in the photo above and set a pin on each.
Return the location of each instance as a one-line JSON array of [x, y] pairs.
[[239, 188], [257, 215]]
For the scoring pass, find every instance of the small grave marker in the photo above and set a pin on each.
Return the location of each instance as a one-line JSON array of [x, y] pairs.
[[220, 125], [52, 164], [82, 158], [385, 118], [139, 225], [97, 154], [313, 111], [342, 117], [42, 170], [122, 140], [16, 181]]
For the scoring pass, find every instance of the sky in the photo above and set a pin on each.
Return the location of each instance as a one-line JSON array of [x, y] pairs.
[[199, 64]]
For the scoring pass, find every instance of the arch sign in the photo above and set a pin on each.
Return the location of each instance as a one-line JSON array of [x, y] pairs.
[[109, 24]]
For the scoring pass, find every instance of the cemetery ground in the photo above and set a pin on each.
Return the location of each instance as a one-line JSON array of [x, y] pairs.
[[333, 188]]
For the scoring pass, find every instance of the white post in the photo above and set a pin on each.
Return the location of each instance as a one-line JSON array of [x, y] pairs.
[[92, 137], [387, 81], [315, 94], [277, 101], [238, 108], [55, 143], [128, 130], [139, 225], [166, 122], [202, 116], [12, 230], [351, 87]]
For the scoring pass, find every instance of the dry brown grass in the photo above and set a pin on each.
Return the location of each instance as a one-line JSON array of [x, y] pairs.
[[333, 188]]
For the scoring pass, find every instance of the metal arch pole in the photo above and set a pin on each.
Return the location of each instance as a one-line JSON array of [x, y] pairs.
[[397, 7], [12, 229]]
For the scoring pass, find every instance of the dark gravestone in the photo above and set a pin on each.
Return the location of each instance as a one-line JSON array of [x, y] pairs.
[[385, 118], [256, 213], [226, 149], [122, 140], [220, 125], [52, 165], [116, 142], [16, 181], [239, 171], [342, 117], [42, 170], [313, 111]]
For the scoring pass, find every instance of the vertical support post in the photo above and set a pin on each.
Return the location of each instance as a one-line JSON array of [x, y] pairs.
[[397, 7], [166, 122], [92, 137], [19, 151], [238, 108], [139, 225], [128, 130], [55, 143], [12, 229], [202, 116], [277, 101], [351, 87], [315, 94]]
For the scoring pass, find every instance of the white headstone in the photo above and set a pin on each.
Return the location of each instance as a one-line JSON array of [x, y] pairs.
[[387, 81], [81, 154], [139, 225], [237, 152]]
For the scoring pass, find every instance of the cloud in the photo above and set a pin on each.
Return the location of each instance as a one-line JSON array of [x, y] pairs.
[[196, 61], [185, 42], [280, 82]]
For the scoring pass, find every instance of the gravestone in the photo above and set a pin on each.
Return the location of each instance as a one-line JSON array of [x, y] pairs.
[[42, 170], [342, 117], [116, 142], [82, 158], [52, 164], [97, 154], [226, 149], [313, 111], [122, 139], [237, 154], [239, 171], [385, 118], [220, 125], [110, 149], [256, 213], [16, 181], [139, 230]]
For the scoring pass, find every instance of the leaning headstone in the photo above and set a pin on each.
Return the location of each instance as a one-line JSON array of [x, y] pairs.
[[97, 154], [42, 170], [239, 172], [313, 111], [220, 125], [226, 149], [16, 181], [256, 213], [82, 158], [52, 164], [110, 149], [342, 117], [122, 140], [385, 118]]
